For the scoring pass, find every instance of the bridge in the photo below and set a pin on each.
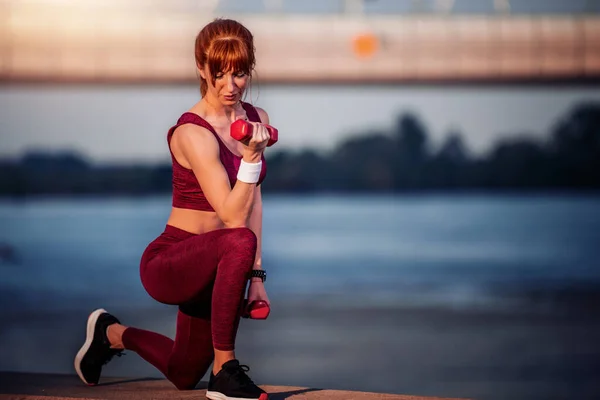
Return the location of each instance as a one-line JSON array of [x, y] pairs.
[[138, 41]]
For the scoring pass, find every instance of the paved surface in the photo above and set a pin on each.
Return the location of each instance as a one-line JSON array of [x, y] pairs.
[[48, 386]]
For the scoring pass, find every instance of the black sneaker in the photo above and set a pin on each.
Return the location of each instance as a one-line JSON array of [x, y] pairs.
[[96, 350], [232, 383]]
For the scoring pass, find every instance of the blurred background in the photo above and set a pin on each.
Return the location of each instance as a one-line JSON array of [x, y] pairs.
[[432, 213]]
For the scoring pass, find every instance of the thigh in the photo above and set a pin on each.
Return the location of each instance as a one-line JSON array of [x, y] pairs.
[[179, 272]]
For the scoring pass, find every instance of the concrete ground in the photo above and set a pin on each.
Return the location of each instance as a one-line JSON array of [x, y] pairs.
[[29, 386]]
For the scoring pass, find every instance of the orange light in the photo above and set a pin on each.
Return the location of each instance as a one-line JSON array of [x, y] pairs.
[[365, 45]]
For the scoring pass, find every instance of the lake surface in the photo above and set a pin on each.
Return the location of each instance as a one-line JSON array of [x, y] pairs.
[[450, 251]]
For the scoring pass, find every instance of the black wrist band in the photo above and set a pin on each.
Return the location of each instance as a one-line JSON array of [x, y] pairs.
[[259, 273]]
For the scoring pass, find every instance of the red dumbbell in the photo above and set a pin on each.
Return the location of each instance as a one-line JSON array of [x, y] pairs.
[[242, 130], [258, 309]]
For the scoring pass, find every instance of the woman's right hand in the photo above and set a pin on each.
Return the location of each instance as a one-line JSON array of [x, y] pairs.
[[255, 146]]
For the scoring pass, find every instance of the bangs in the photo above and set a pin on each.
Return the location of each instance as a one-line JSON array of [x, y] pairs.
[[229, 54]]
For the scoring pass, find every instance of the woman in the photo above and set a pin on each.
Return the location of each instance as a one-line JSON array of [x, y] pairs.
[[211, 245]]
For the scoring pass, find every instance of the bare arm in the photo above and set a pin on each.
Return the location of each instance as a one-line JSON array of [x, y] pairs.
[[256, 291], [255, 224], [201, 150], [256, 217]]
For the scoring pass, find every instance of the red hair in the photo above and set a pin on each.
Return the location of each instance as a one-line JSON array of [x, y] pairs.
[[224, 45]]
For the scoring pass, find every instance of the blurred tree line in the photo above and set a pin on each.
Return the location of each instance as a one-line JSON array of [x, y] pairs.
[[400, 160]]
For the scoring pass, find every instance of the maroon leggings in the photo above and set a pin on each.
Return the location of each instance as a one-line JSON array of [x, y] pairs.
[[206, 276]]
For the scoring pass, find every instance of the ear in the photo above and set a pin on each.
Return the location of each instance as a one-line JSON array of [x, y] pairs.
[[201, 71]]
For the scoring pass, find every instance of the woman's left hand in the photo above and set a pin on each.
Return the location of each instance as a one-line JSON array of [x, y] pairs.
[[257, 291]]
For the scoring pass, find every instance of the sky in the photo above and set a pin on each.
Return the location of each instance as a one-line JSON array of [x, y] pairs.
[[129, 123]]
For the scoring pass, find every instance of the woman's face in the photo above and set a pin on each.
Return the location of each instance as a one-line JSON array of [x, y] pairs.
[[228, 87]]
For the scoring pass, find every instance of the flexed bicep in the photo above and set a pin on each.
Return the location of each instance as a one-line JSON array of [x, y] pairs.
[[200, 150]]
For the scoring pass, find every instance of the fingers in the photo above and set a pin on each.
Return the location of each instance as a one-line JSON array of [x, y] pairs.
[[260, 135]]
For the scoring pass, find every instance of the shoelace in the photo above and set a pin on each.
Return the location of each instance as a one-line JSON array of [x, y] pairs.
[[240, 374]]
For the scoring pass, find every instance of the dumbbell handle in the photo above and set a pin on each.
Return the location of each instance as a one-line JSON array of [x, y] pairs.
[[242, 130]]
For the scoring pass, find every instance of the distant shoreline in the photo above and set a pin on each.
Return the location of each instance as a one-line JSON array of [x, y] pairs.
[[398, 161]]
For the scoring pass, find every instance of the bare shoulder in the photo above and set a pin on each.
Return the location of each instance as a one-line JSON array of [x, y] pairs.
[[264, 117], [194, 139]]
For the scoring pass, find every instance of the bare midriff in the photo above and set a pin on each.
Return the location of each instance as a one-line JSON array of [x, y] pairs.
[[195, 221]]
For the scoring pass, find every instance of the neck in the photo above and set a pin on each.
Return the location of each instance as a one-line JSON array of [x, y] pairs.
[[214, 107]]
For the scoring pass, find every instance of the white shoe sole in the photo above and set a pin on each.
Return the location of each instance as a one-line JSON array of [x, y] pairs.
[[91, 324], [220, 396]]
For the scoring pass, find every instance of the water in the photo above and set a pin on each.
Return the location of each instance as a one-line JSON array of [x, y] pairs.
[[452, 251], [460, 295], [454, 248]]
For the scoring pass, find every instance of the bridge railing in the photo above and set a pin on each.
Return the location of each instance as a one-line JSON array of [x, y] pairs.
[[40, 41]]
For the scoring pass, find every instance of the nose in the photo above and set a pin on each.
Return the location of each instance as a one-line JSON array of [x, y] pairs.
[[230, 84]]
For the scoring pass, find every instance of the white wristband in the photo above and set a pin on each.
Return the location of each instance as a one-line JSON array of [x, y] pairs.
[[249, 172]]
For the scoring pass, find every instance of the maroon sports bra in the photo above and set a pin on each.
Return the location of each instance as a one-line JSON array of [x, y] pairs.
[[187, 192]]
